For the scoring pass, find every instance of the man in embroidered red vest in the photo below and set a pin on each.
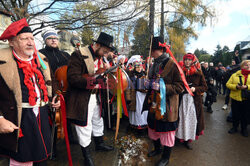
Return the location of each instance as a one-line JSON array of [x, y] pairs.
[[25, 90]]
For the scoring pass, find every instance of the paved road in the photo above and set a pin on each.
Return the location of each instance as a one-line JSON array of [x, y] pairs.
[[215, 148]]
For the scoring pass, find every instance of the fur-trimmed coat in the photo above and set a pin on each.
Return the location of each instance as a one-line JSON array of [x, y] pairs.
[[197, 80], [78, 94], [174, 86], [11, 95]]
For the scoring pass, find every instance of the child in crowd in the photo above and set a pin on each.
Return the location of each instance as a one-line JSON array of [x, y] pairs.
[[211, 94]]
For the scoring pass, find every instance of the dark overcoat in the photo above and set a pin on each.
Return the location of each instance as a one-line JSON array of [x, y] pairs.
[[174, 86], [78, 92]]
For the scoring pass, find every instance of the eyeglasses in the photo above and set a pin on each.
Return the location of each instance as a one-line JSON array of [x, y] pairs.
[[52, 38]]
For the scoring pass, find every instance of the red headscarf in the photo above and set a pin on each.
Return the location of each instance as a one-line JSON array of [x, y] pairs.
[[195, 65]]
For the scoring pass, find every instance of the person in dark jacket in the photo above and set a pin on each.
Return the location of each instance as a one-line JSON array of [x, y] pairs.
[[82, 100], [25, 90], [206, 71], [212, 70], [232, 69], [219, 76], [211, 94], [57, 59]]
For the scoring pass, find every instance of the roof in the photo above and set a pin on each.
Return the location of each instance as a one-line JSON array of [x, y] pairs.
[[244, 40], [246, 46]]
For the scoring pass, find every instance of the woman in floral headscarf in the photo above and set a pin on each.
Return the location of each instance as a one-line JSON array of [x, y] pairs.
[[198, 86], [135, 96]]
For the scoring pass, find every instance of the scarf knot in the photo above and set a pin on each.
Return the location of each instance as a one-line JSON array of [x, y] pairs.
[[30, 70]]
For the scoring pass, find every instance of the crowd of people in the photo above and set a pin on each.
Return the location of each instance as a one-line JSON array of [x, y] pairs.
[[164, 97]]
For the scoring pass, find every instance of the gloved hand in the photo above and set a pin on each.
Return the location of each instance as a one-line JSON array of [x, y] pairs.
[[155, 86], [93, 81], [146, 83], [100, 79]]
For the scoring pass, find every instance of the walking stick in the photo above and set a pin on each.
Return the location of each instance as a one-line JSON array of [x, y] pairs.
[[53, 127], [108, 103], [150, 49]]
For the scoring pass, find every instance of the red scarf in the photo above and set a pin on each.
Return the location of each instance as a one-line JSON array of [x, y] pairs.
[[245, 74], [189, 71], [30, 70]]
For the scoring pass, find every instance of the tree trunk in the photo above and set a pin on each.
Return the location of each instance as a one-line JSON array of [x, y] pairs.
[[151, 16], [162, 20]]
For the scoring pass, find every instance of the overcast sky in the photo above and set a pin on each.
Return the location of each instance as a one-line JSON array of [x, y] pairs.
[[232, 26]]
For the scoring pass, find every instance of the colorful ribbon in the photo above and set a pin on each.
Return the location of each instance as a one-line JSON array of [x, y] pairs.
[[123, 96], [178, 66], [39, 60], [64, 122], [163, 96], [121, 102]]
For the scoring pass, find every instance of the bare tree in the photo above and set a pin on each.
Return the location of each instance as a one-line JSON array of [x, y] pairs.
[[151, 16], [66, 14], [162, 20]]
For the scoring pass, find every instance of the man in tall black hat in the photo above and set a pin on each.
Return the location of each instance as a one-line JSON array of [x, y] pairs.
[[162, 123], [25, 90], [83, 102]]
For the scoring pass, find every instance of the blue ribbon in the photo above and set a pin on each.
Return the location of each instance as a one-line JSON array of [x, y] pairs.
[[163, 96], [41, 62]]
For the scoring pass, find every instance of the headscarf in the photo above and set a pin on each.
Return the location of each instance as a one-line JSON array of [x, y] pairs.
[[133, 58], [194, 67], [120, 57]]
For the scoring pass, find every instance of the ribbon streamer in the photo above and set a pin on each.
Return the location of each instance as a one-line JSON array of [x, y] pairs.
[[64, 121], [123, 96], [178, 66], [163, 96], [39, 60], [119, 103]]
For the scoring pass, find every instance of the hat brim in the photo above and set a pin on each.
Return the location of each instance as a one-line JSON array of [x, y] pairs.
[[103, 44]]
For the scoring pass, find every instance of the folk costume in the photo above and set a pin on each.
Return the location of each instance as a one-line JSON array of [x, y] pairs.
[[162, 130], [25, 89], [82, 107], [135, 95], [196, 79]]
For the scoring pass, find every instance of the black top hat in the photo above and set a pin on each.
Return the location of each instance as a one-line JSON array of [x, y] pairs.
[[105, 39], [155, 43]]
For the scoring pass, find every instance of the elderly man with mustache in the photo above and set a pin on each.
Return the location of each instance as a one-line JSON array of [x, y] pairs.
[[25, 90]]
